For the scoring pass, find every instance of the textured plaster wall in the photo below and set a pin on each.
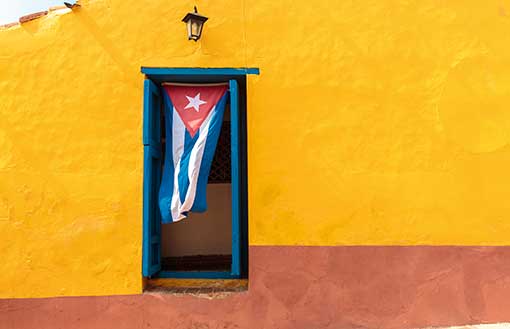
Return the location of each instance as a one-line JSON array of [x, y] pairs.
[[372, 122]]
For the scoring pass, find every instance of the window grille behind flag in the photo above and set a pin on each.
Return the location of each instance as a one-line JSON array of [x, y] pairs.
[[221, 165], [193, 119]]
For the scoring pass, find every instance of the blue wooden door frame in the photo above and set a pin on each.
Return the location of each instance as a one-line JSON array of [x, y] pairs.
[[151, 250], [238, 202], [235, 270]]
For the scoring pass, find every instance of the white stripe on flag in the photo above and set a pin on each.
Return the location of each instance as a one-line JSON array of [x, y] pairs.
[[178, 132], [195, 162]]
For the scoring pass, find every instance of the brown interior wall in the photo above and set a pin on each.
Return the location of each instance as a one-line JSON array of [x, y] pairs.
[[207, 233]]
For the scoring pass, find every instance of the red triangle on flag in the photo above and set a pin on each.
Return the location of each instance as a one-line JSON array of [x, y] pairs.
[[194, 103]]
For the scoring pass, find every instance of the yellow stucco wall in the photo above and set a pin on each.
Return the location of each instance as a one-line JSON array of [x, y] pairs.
[[372, 122]]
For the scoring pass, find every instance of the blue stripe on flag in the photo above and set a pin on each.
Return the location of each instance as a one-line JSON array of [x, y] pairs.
[[200, 204], [166, 188]]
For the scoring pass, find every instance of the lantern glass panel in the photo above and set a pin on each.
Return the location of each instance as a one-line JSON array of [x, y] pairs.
[[200, 26], [188, 26], [195, 28]]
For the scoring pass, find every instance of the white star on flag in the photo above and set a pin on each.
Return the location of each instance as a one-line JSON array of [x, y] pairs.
[[194, 102]]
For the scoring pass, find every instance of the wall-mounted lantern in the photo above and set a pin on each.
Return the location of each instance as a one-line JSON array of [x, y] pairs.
[[71, 4], [194, 23]]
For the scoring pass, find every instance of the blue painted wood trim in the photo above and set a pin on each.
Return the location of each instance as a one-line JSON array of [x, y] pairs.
[[195, 275], [151, 220], [146, 245], [235, 183], [150, 111], [151, 246], [154, 71]]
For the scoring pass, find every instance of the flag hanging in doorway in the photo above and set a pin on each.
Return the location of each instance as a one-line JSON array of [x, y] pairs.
[[193, 118]]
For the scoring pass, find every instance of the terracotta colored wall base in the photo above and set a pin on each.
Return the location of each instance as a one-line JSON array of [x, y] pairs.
[[308, 287]]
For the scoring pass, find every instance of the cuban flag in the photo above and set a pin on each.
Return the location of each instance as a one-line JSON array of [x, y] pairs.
[[193, 118]]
